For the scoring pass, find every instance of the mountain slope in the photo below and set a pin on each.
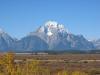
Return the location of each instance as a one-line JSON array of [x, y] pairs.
[[96, 43], [31, 43], [6, 41], [58, 37]]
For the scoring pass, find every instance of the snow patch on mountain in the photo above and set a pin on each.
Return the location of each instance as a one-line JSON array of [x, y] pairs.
[[55, 25], [49, 33], [51, 24], [52, 27]]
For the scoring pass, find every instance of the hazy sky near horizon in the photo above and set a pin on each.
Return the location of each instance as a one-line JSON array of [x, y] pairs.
[[19, 17]]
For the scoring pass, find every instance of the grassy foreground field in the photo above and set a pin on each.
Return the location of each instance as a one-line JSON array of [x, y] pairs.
[[44, 64]]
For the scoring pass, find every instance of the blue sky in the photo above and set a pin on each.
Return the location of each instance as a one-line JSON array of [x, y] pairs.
[[19, 17]]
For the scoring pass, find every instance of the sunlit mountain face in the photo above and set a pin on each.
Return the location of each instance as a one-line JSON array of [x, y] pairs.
[[50, 36], [6, 41]]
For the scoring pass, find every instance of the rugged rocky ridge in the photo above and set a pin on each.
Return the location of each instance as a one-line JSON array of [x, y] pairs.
[[50, 36], [6, 41], [58, 37]]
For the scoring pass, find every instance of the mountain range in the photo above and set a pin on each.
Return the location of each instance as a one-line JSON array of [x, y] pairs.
[[51, 36]]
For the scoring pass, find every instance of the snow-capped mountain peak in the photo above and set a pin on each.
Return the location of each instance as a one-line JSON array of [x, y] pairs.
[[51, 24], [52, 27]]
